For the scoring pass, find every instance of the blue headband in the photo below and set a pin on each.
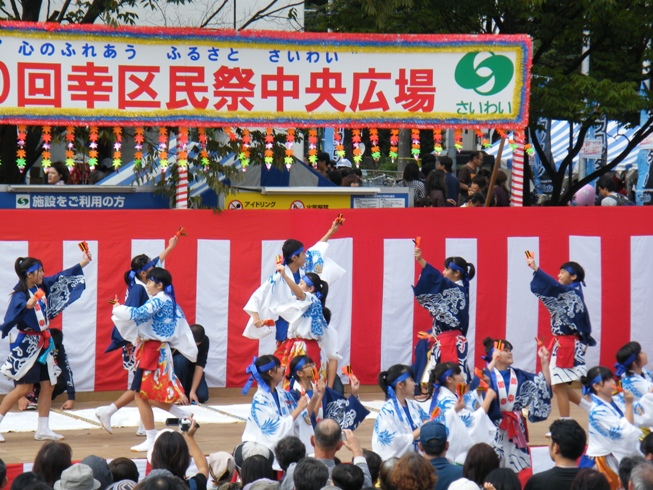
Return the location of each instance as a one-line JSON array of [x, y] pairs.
[[310, 284], [488, 357], [453, 266], [148, 266], [393, 396], [294, 254], [34, 268], [255, 374], [436, 388], [622, 368], [300, 365], [573, 272], [588, 389]]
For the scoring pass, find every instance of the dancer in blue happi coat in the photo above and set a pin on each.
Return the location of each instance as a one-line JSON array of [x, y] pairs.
[[570, 326], [35, 301], [446, 297]]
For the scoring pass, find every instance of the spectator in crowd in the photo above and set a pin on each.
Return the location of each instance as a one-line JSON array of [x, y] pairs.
[[256, 468], [588, 479], [162, 482], [336, 177], [481, 459], [123, 469], [343, 166], [58, 174], [78, 477], [248, 449], [478, 184], [566, 445], [172, 451], [322, 163], [327, 441], [411, 179], [468, 171], [436, 191], [413, 472], [476, 200], [501, 193], [608, 192], [221, 471], [374, 462], [428, 165], [626, 466], [646, 446], [3, 474], [385, 473], [451, 182], [347, 477], [502, 479], [311, 475], [351, 180], [289, 450], [51, 460], [434, 445], [30, 480], [101, 471], [641, 478], [191, 374]]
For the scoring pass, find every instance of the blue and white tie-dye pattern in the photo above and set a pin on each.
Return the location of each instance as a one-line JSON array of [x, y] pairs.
[[393, 435], [610, 432]]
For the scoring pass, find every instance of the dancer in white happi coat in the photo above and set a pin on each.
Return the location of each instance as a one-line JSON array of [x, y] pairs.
[[463, 413], [612, 432], [397, 426]]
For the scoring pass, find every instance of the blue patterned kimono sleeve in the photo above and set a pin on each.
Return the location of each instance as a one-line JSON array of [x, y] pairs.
[[543, 284], [63, 289], [431, 281], [533, 394], [16, 313]]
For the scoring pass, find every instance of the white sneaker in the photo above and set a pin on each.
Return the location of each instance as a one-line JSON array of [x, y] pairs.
[[103, 414], [140, 432], [143, 447], [47, 435], [2, 439]]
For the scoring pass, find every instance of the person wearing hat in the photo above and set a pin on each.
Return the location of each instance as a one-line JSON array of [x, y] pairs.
[[100, 468], [343, 163], [434, 445], [77, 477], [221, 469]]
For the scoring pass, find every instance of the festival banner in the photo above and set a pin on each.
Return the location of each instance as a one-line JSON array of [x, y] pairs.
[[129, 76]]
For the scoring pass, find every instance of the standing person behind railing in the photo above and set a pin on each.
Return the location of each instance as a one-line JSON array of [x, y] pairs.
[[411, 179]]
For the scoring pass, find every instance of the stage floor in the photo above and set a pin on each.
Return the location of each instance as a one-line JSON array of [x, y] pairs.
[[218, 431]]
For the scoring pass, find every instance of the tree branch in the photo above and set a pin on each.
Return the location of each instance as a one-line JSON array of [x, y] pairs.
[[258, 15], [14, 7], [207, 21], [62, 13]]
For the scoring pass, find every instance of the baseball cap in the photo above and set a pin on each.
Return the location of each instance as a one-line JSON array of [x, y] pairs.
[[343, 162], [433, 433]]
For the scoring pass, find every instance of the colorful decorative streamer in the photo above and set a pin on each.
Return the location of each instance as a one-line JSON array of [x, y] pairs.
[[374, 140], [182, 145], [139, 139], [70, 146], [483, 136], [337, 139], [163, 149], [415, 143], [46, 136], [290, 141], [312, 147], [230, 132], [21, 154], [356, 142], [204, 154], [458, 139], [92, 147], [394, 144], [246, 141], [117, 148], [269, 144], [437, 141]]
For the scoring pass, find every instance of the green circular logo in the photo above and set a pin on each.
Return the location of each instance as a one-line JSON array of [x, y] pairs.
[[476, 76]]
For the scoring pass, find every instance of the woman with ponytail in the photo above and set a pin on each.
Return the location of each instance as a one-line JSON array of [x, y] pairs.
[[136, 295], [274, 411], [570, 326], [463, 412], [35, 301], [154, 328], [308, 325], [446, 297], [516, 390], [397, 427], [612, 432]]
